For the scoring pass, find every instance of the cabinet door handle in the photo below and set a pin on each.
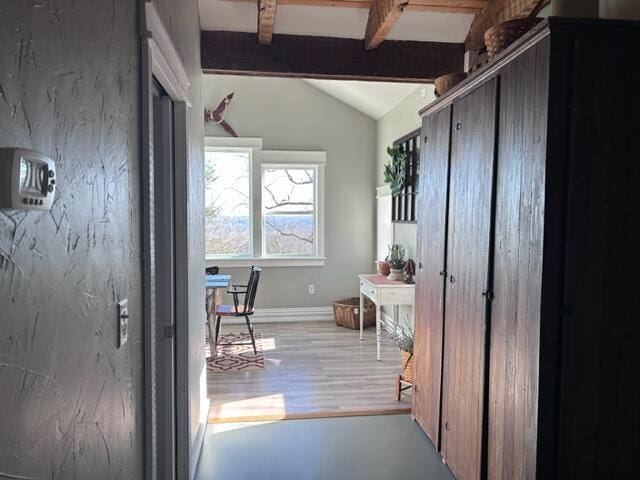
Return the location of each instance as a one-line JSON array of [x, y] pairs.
[[443, 273], [452, 279], [420, 265]]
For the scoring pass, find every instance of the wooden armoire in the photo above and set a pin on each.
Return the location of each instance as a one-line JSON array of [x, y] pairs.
[[527, 338]]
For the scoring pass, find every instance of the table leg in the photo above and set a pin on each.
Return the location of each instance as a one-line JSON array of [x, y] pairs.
[[361, 314], [378, 331]]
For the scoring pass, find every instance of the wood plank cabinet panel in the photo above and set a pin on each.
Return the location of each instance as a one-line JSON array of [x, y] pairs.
[[599, 431], [517, 275], [469, 238], [541, 381], [431, 248]]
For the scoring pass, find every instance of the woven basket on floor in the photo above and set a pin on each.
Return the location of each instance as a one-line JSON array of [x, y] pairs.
[[447, 82], [504, 34], [407, 366], [347, 313]]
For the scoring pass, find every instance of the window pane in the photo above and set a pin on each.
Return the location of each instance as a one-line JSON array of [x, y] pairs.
[[227, 191], [289, 234], [288, 190]]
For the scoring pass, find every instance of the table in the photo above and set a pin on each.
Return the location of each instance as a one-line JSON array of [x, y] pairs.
[[214, 284], [382, 291]]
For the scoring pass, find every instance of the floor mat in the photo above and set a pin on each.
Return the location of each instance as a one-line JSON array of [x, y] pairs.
[[235, 354]]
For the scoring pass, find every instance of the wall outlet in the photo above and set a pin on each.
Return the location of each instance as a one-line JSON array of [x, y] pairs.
[[123, 322], [312, 289]]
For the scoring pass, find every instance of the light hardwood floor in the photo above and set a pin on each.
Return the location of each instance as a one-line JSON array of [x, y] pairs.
[[312, 369]]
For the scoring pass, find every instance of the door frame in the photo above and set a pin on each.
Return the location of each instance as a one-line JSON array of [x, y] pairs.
[[160, 61]]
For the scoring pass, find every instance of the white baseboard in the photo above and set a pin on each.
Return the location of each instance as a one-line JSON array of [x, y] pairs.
[[282, 315]]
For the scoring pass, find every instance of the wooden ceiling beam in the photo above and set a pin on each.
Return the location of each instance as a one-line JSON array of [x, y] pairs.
[[441, 6], [382, 15], [498, 11], [326, 57], [266, 20]]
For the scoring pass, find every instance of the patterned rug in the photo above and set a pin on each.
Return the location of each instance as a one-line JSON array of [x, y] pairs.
[[239, 356]]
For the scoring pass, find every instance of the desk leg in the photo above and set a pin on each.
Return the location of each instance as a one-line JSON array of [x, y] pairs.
[[361, 314], [378, 331]]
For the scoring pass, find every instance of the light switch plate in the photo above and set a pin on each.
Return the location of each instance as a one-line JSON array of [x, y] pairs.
[[123, 322]]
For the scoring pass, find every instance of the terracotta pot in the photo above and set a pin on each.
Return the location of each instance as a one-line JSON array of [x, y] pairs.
[[407, 366], [383, 267]]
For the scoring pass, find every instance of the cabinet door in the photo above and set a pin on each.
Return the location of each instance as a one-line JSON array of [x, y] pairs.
[[430, 254], [468, 245], [517, 275]]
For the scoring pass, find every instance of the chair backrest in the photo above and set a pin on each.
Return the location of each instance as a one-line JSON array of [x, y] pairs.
[[252, 288]]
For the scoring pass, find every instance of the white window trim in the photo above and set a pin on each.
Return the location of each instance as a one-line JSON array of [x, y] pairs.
[[272, 158], [317, 200]]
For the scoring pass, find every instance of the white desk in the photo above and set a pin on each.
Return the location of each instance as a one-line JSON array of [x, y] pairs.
[[383, 292]]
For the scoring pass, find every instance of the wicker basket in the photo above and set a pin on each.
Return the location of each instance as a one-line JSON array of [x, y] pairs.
[[407, 366], [504, 34], [347, 313], [447, 82]]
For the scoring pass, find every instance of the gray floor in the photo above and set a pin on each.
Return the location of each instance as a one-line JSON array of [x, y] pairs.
[[385, 447]]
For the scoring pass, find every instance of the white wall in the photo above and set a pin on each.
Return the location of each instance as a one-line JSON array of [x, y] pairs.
[[290, 114], [398, 122]]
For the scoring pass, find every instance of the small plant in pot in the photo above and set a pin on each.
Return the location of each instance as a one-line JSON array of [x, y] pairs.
[[396, 259]]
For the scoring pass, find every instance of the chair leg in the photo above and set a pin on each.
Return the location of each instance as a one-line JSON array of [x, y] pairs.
[[250, 328], [217, 334]]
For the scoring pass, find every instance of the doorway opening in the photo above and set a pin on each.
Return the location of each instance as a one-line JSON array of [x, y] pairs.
[[311, 224]]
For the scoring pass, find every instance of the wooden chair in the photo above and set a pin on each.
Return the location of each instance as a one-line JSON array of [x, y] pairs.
[[244, 309]]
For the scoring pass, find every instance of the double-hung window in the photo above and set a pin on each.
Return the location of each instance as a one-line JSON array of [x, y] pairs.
[[289, 206], [263, 207], [228, 204]]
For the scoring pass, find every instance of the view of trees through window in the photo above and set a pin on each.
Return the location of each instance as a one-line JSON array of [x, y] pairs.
[[227, 203], [288, 200], [288, 207]]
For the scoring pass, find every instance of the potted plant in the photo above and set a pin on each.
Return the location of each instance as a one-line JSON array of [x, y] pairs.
[[396, 261], [402, 335], [395, 171]]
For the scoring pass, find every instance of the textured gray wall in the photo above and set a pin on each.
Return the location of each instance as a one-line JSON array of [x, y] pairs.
[[290, 114], [181, 18], [71, 401]]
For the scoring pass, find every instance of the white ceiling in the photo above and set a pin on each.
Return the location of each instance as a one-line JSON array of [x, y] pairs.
[[240, 16], [374, 99]]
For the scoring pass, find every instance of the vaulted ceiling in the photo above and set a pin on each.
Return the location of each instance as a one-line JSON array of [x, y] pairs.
[[374, 99]]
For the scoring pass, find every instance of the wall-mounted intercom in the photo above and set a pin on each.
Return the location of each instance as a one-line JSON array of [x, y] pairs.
[[27, 179]]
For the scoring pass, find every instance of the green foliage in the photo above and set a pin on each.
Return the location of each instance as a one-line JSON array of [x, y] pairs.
[[396, 256], [396, 170]]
